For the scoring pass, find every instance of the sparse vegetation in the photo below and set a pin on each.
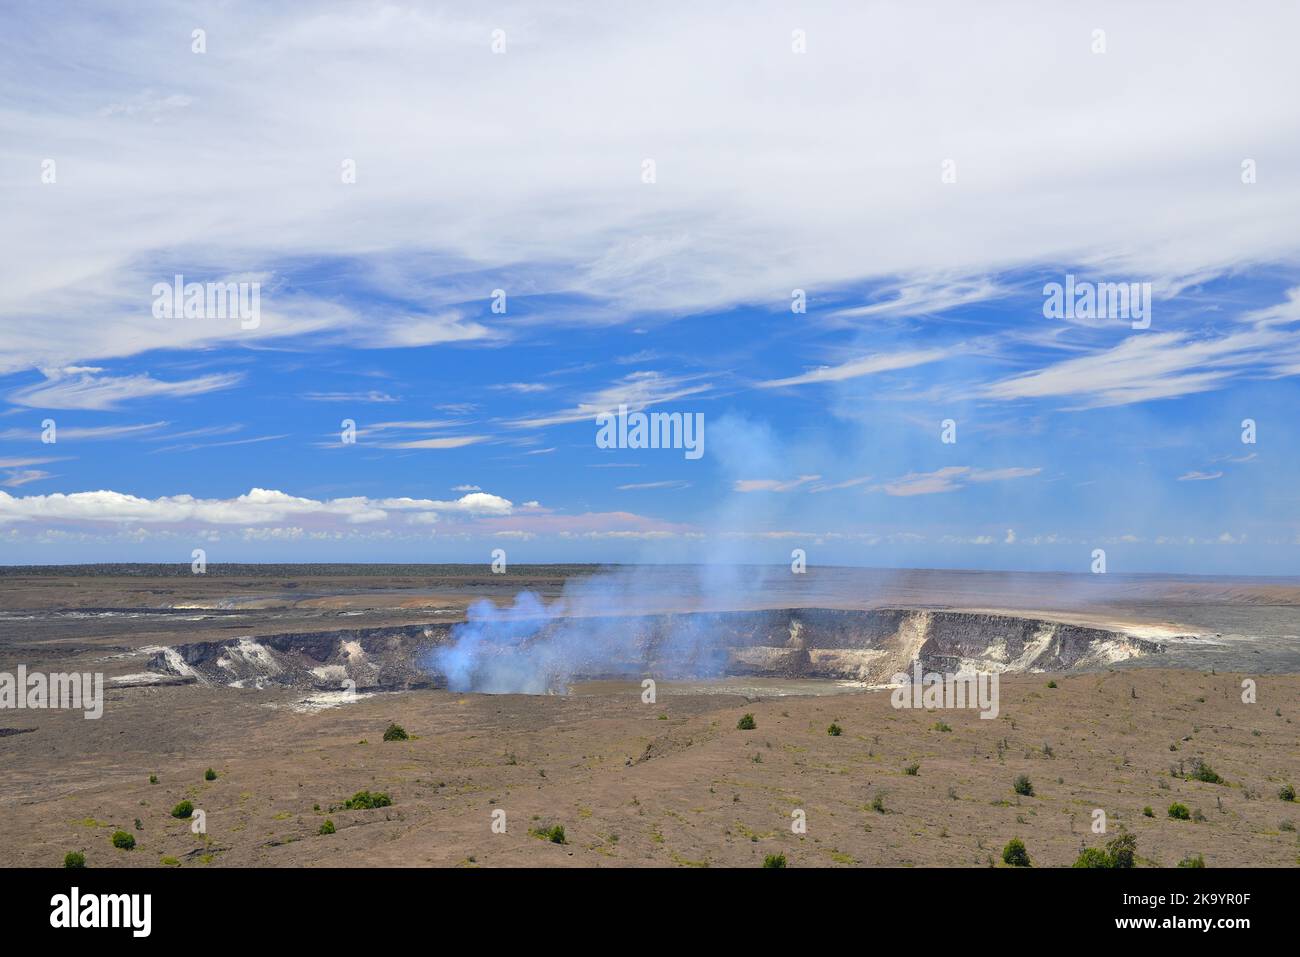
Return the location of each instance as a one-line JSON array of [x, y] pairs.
[[1189, 861], [1179, 812], [878, 803], [1147, 812], [183, 810], [1015, 855], [395, 732], [747, 723], [74, 859], [123, 840], [366, 801], [327, 827], [774, 860], [209, 775], [912, 769], [834, 730], [942, 726], [1052, 683], [1023, 786], [1287, 792], [153, 779]]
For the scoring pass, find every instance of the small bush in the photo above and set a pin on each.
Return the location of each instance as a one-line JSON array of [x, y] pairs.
[[1179, 812], [1092, 857], [169, 861], [912, 769], [1015, 854], [942, 726], [834, 730], [395, 732], [1122, 850], [1052, 683], [1203, 772], [1147, 812], [209, 775], [878, 804], [366, 801], [747, 723], [1197, 861], [153, 779], [1287, 793], [183, 810], [74, 859], [1023, 786], [774, 860], [327, 827], [124, 840], [554, 833]]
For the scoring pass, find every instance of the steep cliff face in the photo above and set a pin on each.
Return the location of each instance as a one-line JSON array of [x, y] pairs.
[[869, 646]]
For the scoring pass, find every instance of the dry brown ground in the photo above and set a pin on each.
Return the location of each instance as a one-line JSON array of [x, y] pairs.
[[670, 784]]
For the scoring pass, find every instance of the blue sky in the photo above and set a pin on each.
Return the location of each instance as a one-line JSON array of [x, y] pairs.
[[524, 171]]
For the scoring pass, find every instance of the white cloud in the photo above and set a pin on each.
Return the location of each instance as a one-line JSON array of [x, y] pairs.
[[738, 215], [949, 479], [772, 485], [258, 506], [84, 389], [637, 391], [867, 365], [87, 433], [441, 442], [1153, 365]]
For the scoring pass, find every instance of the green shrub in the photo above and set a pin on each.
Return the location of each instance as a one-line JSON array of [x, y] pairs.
[[942, 726], [153, 779], [1147, 812], [1015, 854], [327, 827], [1179, 812], [75, 859], [774, 860], [912, 769], [1023, 786], [554, 833], [834, 730], [1092, 857], [123, 839], [365, 801], [209, 775], [170, 861], [183, 810], [1052, 683], [1197, 861], [395, 732], [1203, 772], [1122, 850], [747, 723], [1287, 793]]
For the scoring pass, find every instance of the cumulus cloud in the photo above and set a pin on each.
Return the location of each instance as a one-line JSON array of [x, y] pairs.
[[256, 507]]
